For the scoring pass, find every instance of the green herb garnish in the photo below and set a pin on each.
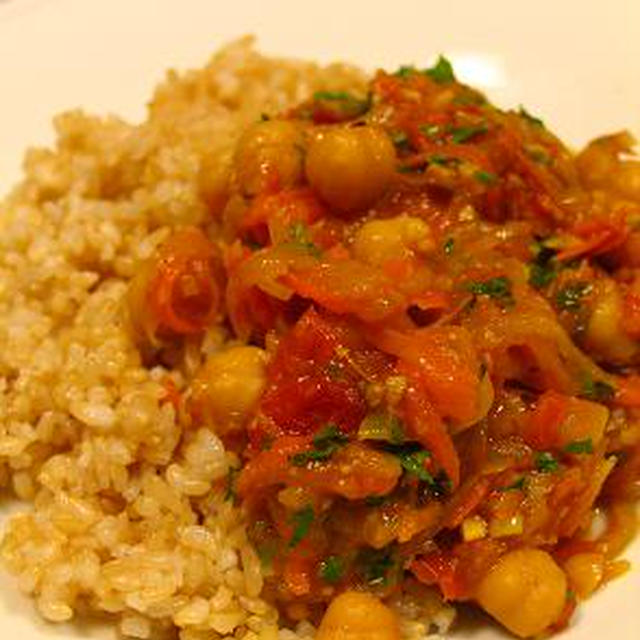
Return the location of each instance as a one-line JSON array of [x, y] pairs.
[[413, 463], [430, 130], [569, 298], [463, 134], [381, 425], [404, 72], [375, 565], [346, 103], [498, 288], [300, 237], [541, 276], [400, 139], [545, 462], [522, 112], [485, 177], [580, 446], [340, 96], [543, 270], [518, 485], [441, 72], [468, 97], [539, 156], [449, 246], [325, 443], [597, 390], [301, 522], [331, 569], [440, 160]]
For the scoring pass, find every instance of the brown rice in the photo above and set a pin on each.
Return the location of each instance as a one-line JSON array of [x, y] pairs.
[[124, 519]]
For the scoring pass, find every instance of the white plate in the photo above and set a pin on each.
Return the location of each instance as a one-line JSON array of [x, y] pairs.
[[576, 63]]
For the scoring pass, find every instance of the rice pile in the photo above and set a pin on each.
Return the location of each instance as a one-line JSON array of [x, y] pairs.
[[128, 513]]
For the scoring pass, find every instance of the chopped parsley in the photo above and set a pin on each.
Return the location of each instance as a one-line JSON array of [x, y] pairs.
[[597, 390], [435, 159], [543, 270], [400, 139], [325, 443], [335, 96], [301, 522], [580, 446], [569, 298], [498, 289], [430, 130], [459, 135], [331, 569], [440, 160], [346, 103], [300, 237], [381, 425], [441, 486], [413, 463], [523, 113], [539, 156], [545, 462], [517, 485], [486, 177], [441, 72], [540, 275], [375, 565], [449, 246], [404, 71], [469, 97]]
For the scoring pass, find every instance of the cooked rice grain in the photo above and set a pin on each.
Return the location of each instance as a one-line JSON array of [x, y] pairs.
[[128, 515]]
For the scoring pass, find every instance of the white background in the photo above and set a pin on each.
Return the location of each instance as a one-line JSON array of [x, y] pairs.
[[576, 63]]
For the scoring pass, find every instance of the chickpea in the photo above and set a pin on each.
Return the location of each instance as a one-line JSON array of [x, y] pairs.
[[602, 165], [350, 168], [178, 290], [228, 385], [525, 591], [380, 240], [358, 616], [270, 150]]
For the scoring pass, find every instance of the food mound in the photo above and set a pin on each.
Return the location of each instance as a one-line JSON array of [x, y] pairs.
[[307, 355]]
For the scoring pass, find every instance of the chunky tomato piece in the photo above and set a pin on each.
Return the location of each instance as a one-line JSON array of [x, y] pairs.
[[271, 216], [428, 428], [178, 292], [348, 287], [309, 384], [443, 363], [353, 472], [458, 571], [543, 428], [596, 237]]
